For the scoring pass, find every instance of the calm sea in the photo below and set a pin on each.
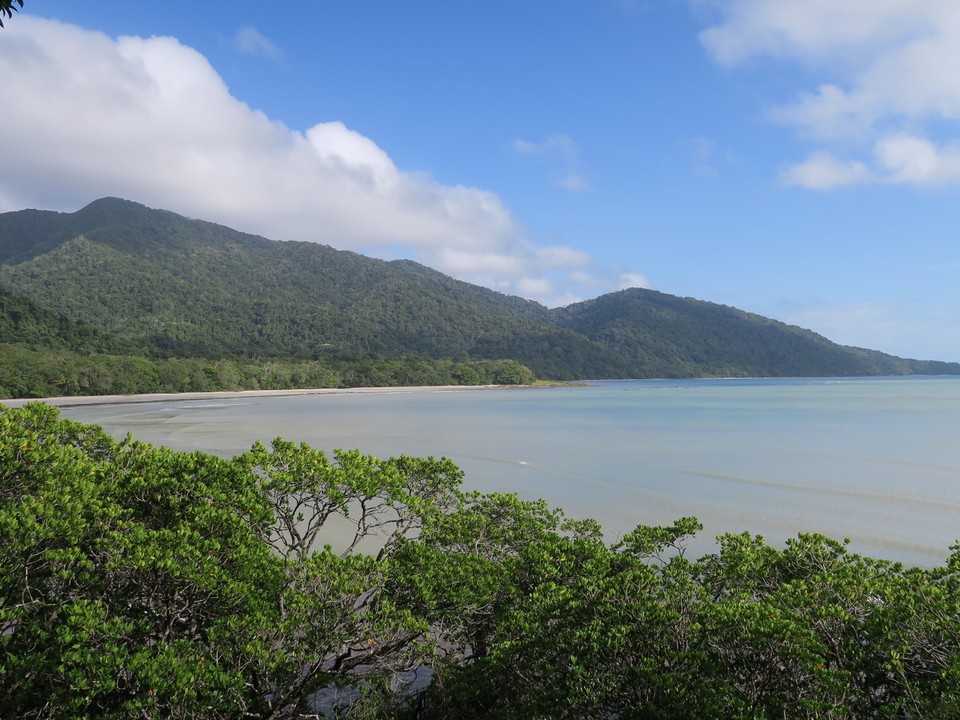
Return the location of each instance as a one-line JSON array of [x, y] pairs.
[[876, 460]]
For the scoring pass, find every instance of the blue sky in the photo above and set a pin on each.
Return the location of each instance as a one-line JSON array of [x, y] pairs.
[[794, 158]]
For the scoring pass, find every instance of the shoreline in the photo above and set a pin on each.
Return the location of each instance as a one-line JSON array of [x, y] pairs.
[[81, 400], [71, 400]]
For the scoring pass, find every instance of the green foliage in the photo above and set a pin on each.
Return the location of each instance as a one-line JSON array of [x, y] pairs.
[[7, 7], [28, 373], [25, 324], [137, 581], [176, 287], [577, 629]]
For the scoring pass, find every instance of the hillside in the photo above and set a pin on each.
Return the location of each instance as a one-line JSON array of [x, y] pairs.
[[163, 286], [23, 323], [178, 287], [669, 335]]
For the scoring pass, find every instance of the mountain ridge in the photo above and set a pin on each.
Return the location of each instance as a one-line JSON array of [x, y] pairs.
[[170, 286]]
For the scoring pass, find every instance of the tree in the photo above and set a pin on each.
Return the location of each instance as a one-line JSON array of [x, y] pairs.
[[8, 7], [138, 581], [562, 625]]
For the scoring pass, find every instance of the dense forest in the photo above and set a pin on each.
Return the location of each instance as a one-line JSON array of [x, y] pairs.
[[114, 293], [136, 581], [28, 373]]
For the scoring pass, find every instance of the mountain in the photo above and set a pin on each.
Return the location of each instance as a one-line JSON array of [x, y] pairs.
[[162, 286], [673, 336]]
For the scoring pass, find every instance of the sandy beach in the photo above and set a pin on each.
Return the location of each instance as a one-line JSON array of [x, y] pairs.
[[225, 395]]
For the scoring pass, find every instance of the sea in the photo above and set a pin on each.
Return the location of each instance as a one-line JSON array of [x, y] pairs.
[[872, 460]]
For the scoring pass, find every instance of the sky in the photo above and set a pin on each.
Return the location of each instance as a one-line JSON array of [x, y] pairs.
[[799, 159]]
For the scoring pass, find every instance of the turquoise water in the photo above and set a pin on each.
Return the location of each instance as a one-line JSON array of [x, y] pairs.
[[874, 459]]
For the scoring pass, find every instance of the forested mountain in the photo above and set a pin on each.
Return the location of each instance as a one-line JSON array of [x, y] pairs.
[[179, 287], [673, 336], [153, 283]]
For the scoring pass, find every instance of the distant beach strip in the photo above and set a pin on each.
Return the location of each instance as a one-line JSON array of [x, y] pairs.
[[235, 394]]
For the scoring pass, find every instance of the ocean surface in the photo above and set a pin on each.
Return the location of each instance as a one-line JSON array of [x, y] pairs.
[[875, 460]]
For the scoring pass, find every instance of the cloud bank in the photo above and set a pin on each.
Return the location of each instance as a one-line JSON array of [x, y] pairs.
[[149, 119], [887, 107]]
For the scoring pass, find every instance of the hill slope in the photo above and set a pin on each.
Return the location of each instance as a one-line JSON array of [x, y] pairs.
[[168, 286], [179, 287], [670, 335], [23, 323]]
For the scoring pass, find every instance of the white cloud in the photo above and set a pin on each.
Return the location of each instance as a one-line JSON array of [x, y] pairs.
[[249, 40], [152, 121], [828, 114], [535, 287], [918, 161], [898, 159], [889, 81], [821, 171], [554, 275], [561, 155], [558, 256], [816, 30]]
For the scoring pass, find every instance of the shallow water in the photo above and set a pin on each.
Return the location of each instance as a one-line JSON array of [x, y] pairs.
[[873, 459]]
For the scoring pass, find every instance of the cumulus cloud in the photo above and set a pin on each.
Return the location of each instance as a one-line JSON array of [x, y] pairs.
[[826, 31], [829, 113], [149, 119], [898, 159], [561, 155], [913, 160], [889, 88]]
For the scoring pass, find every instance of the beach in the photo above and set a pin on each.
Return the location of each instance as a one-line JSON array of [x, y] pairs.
[[68, 401]]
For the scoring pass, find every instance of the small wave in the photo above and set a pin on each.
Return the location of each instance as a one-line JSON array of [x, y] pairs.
[[820, 490]]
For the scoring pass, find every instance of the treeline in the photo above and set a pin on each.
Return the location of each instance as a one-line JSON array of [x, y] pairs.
[[26, 373], [136, 581]]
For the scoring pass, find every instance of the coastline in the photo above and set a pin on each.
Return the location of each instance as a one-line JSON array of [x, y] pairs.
[[70, 400]]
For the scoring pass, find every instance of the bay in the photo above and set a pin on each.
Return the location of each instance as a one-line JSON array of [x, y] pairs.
[[875, 460]]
